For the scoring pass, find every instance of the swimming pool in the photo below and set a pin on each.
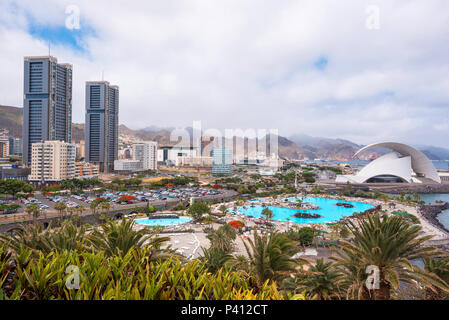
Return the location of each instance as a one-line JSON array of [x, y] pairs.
[[163, 222], [329, 211]]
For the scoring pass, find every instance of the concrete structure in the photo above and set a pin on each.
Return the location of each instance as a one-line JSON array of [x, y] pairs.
[[193, 161], [146, 152], [4, 147], [173, 154], [101, 130], [221, 162], [14, 172], [86, 170], [404, 164], [206, 144], [47, 104], [15, 147], [127, 165], [52, 161], [80, 150]]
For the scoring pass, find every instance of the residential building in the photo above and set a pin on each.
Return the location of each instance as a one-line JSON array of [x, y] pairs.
[[101, 129], [146, 152], [221, 161], [52, 161], [86, 170], [47, 105], [4, 147], [127, 165]]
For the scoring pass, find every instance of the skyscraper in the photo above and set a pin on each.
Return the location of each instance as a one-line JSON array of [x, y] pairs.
[[221, 161], [102, 107], [47, 105]]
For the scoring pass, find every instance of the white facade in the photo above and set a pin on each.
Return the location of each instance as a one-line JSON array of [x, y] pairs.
[[174, 154], [405, 164], [127, 165], [52, 161], [146, 152]]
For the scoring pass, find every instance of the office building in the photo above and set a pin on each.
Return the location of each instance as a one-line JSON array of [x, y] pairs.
[[146, 152], [206, 145], [127, 165], [52, 161], [15, 147], [12, 171], [47, 105], [221, 161], [101, 130]]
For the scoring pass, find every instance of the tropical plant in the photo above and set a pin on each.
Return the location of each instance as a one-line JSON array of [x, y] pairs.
[[322, 280], [61, 207], [117, 238], [388, 243], [270, 256], [198, 209], [267, 213], [33, 210]]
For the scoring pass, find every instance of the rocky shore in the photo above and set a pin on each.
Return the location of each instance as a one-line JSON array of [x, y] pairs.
[[431, 212]]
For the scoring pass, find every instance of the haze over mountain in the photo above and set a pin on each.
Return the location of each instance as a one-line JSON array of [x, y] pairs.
[[298, 146]]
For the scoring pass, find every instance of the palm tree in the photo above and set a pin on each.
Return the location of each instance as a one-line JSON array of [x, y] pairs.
[[117, 238], [214, 258], [61, 207], [268, 213], [270, 256], [106, 206], [39, 240], [322, 280], [80, 209], [34, 210], [388, 243], [439, 267], [94, 205], [223, 209]]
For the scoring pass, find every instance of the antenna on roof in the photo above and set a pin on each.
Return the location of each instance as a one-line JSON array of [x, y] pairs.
[[49, 47]]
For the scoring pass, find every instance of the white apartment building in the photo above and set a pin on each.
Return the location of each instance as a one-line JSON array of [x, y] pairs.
[[146, 152], [52, 161]]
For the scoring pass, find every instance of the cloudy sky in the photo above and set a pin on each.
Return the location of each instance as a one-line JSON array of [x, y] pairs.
[[355, 69]]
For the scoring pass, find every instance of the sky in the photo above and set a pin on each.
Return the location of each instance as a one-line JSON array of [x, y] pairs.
[[366, 71]]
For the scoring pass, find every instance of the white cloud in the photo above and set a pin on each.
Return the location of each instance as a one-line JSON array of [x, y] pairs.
[[241, 64]]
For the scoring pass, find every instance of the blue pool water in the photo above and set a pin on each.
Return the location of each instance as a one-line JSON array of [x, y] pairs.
[[163, 222], [329, 211]]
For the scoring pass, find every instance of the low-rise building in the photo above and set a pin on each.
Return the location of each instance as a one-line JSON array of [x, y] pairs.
[[4, 147], [14, 172], [86, 170], [127, 165]]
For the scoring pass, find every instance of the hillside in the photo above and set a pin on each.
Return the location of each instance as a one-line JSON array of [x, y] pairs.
[[298, 146], [11, 118]]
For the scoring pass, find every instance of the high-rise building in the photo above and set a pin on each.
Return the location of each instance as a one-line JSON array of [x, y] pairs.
[[146, 152], [47, 104], [102, 107], [52, 161], [4, 147], [15, 147], [221, 161]]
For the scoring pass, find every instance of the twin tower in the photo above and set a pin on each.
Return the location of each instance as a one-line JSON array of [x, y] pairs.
[[47, 111]]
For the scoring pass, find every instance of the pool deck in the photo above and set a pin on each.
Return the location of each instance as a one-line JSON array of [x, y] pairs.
[[189, 244]]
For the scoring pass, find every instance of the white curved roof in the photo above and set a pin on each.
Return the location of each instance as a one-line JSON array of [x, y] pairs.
[[387, 164]]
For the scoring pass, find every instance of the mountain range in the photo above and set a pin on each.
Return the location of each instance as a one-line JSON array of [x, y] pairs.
[[298, 146]]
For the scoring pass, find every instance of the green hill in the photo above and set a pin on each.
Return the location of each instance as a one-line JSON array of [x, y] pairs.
[[11, 119]]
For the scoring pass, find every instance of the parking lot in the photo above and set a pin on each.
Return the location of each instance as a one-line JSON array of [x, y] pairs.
[[117, 199]]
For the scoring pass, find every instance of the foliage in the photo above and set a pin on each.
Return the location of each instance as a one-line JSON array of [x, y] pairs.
[[197, 209]]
